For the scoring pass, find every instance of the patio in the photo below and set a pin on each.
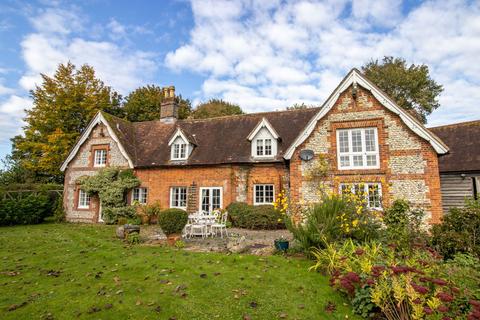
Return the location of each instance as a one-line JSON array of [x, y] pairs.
[[259, 242]]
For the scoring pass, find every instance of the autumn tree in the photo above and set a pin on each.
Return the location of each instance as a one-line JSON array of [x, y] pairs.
[[144, 103], [216, 108], [62, 107], [410, 86]]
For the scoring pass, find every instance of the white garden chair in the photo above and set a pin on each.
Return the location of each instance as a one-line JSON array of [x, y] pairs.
[[220, 225], [198, 227]]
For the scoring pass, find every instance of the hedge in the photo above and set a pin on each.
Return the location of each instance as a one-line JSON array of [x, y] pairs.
[[29, 209], [263, 217]]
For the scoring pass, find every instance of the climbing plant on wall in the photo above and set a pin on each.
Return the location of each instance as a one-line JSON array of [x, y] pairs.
[[111, 185]]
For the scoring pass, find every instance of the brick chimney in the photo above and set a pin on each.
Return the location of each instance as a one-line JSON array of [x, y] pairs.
[[169, 107]]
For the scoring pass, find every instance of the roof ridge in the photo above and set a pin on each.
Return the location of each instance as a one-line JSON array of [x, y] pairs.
[[249, 114], [464, 123]]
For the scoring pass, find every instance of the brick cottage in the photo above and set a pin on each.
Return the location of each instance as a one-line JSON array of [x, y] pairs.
[[359, 135]]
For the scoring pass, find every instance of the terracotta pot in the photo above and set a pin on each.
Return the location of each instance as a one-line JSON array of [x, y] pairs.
[[172, 238]]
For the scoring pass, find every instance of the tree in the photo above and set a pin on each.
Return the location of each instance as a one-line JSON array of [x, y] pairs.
[[216, 108], [143, 104], [409, 86], [62, 107], [300, 106]]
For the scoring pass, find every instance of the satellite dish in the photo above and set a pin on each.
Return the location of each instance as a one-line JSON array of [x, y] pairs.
[[306, 154]]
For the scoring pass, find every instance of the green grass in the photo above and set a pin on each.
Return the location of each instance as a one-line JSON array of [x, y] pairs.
[[99, 277]]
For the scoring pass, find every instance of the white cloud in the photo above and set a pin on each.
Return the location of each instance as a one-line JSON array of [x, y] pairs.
[[61, 35], [119, 66], [299, 50], [56, 20], [11, 115]]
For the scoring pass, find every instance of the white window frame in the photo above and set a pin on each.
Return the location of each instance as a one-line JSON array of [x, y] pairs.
[[95, 158], [142, 194], [366, 186], [84, 200], [350, 154], [210, 196], [264, 196], [172, 200]]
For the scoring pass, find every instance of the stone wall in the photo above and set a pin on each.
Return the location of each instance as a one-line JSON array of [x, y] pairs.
[[82, 165], [408, 164]]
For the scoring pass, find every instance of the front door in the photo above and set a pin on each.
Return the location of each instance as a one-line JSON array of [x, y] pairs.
[[210, 199]]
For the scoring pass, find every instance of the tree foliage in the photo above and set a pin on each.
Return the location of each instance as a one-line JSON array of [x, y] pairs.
[[111, 185], [62, 107], [411, 87], [216, 108], [144, 103]]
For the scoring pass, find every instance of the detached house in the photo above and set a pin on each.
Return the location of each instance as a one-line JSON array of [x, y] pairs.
[[359, 135]]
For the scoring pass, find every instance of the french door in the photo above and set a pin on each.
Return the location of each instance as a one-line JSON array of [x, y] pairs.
[[210, 198]]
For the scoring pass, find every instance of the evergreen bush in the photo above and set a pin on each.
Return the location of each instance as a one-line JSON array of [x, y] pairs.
[[172, 221]]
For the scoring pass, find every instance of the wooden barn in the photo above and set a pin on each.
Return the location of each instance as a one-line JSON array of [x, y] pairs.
[[460, 168]]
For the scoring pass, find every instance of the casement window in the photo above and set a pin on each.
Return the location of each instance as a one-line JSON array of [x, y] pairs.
[[100, 158], [83, 200], [179, 149], [140, 195], [357, 148], [210, 199], [371, 192], [178, 197], [263, 194], [264, 147]]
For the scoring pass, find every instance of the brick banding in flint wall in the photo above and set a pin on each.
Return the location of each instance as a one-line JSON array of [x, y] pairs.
[[408, 163]]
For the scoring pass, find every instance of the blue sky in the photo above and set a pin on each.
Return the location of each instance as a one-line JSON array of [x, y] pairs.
[[264, 55]]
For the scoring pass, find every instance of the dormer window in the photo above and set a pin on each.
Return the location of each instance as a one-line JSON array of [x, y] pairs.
[[264, 140], [264, 147], [179, 146], [179, 151]]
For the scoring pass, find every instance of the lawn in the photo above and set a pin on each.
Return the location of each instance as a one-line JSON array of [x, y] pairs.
[[64, 271]]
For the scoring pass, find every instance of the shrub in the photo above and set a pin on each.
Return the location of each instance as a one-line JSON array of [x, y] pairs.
[[404, 226], [150, 211], [59, 212], [459, 231], [400, 286], [30, 209], [112, 215], [264, 217], [172, 220], [334, 219]]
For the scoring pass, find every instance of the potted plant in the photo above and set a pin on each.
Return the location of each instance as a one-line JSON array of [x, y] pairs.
[[281, 244], [172, 222]]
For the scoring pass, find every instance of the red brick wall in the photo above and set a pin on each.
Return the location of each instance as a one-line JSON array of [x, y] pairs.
[[159, 180]]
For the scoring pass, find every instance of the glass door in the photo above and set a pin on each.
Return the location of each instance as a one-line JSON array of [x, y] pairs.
[[210, 199]]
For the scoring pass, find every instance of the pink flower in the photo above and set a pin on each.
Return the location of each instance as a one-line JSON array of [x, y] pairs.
[[444, 297], [439, 282], [353, 277], [427, 310], [443, 309], [420, 289]]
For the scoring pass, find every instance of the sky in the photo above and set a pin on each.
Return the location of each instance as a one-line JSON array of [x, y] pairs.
[[264, 55]]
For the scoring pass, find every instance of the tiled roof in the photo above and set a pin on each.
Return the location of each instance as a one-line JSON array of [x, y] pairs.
[[463, 139], [219, 140]]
